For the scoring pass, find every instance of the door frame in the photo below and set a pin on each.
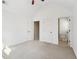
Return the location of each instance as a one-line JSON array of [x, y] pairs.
[[34, 29], [59, 29]]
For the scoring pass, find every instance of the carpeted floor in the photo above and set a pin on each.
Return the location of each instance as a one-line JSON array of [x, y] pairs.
[[39, 50]]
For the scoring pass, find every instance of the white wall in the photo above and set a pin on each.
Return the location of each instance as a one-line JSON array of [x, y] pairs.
[[48, 17], [74, 29], [15, 28], [18, 21]]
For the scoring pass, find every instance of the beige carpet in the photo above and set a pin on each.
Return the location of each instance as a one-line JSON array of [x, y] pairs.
[[39, 50]]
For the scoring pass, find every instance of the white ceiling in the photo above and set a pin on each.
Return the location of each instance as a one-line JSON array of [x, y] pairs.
[[64, 3], [23, 6]]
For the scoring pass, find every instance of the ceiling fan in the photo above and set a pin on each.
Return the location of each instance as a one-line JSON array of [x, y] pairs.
[[33, 1]]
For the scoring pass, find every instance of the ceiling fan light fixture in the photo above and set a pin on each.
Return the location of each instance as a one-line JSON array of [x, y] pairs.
[[42, 0], [32, 2]]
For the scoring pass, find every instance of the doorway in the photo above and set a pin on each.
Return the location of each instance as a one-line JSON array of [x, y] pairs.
[[63, 32], [36, 30]]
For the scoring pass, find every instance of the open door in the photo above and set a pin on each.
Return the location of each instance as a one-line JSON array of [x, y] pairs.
[[63, 31], [36, 30]]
